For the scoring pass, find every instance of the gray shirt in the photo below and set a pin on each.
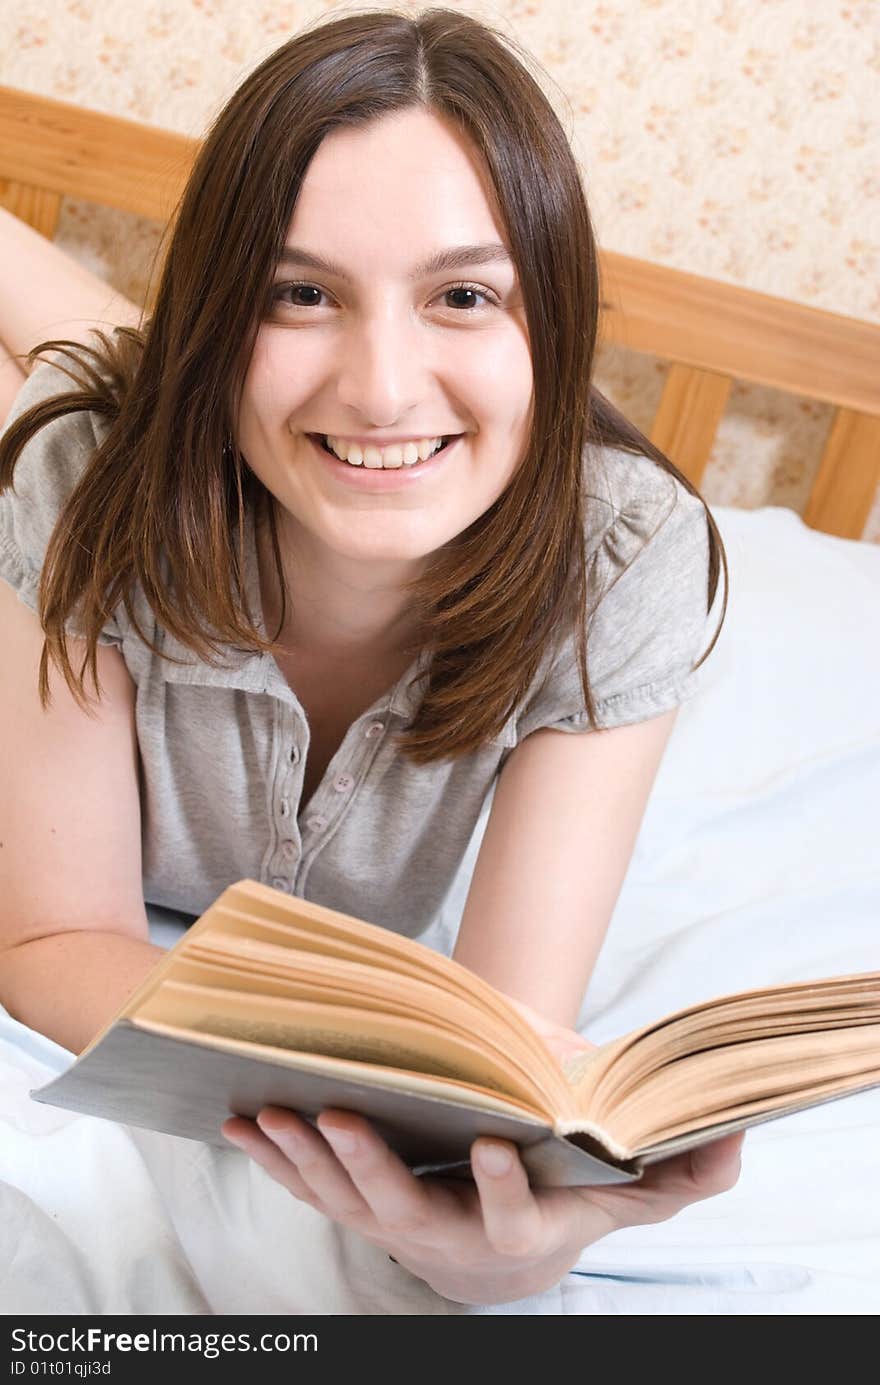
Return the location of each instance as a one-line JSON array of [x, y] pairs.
[[223, 750]]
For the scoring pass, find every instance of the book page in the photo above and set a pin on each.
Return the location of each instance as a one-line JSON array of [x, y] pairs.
[[266, 969], [723, 1083], [339, 1068], [340, 1031], [606, 1077], [306, 952], [249, 909]]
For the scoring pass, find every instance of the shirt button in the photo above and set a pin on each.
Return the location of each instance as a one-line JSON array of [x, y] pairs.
[[278, 883], [317, 823], [285, 807], [343, 783], [375, 728], [288, 849]]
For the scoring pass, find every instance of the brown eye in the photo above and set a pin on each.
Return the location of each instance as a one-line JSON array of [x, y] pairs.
[[474, 292], [281, 289]]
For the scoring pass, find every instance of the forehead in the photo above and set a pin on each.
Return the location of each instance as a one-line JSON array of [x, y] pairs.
[[408, 180]]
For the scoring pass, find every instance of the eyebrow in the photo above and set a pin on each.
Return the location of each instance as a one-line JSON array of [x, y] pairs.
[[456, 257]]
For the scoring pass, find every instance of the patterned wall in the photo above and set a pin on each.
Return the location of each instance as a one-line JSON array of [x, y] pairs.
[[737, 139]]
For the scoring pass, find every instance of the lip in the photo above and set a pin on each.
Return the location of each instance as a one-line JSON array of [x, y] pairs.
[[362, 478]]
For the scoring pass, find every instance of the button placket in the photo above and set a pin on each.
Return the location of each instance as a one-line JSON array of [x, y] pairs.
[[361, 759], [293, 758], [287, 848], [343, 782]]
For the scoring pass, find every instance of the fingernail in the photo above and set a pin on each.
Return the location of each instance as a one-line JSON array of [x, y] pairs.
[[495, 1159], [341, 1140], [288, 1140]]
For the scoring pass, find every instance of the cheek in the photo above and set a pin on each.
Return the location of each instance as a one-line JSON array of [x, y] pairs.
[[500, 382], [264, 412], [267, 394]]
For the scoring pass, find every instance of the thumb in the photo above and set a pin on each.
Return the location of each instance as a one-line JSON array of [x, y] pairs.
[[716, 1167]]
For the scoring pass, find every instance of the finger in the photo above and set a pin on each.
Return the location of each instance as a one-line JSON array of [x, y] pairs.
[[316, 1164], [715, 1168], [699, 1173], [672, 1184], [402, 1205], [248, 1137], [513, 1222]]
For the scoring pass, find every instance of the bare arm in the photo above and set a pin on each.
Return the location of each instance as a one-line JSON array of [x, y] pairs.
[[12, 377], [74, 939], [564, 821], [46, 293], [70, 985]]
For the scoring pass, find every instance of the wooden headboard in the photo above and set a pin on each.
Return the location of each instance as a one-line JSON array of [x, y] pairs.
[[712, 333]]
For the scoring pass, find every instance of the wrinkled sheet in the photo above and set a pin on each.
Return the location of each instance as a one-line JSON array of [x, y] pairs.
[[756, 863]]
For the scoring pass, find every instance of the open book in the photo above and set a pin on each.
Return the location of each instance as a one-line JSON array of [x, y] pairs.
[[269, 999]]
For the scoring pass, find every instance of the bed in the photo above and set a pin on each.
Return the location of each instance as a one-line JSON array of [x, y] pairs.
[[756, 862]]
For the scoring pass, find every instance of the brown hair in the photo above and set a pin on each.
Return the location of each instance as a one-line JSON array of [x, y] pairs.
[[497, 597]]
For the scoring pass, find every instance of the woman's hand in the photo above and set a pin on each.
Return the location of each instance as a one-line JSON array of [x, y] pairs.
[[494, 1242]]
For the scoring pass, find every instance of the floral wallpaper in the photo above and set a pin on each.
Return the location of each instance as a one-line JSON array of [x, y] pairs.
[[737, 139]]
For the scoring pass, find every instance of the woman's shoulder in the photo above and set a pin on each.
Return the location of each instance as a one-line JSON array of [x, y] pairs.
[[645, 534], [50, 463], [631, 494], [647, 619], [56, 374]]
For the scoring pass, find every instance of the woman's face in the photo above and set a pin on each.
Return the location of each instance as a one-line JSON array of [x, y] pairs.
[[380, 347]]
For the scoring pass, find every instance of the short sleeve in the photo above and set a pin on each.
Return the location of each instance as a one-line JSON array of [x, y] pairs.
[[46, 472], [647, 621]]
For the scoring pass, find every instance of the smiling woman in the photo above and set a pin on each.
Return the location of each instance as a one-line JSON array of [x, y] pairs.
[[319, 641]]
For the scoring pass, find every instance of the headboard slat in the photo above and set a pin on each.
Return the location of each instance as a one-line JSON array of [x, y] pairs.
[[849, 473], [687, 420], [37, 206]]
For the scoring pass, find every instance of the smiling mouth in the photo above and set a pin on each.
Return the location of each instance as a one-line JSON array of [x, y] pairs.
[[321, 440]]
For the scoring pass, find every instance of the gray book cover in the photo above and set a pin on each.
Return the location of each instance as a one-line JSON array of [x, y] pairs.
[[138, 1077]]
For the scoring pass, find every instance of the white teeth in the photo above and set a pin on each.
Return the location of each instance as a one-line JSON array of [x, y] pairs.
[[398, 454]]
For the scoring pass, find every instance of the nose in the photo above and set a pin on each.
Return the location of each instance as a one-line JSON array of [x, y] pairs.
[[383, 369]]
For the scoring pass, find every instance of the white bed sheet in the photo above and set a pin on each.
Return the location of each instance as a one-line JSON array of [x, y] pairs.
[[756, 862]]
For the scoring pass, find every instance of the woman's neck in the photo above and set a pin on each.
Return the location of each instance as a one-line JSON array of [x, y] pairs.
[[335, 613]]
